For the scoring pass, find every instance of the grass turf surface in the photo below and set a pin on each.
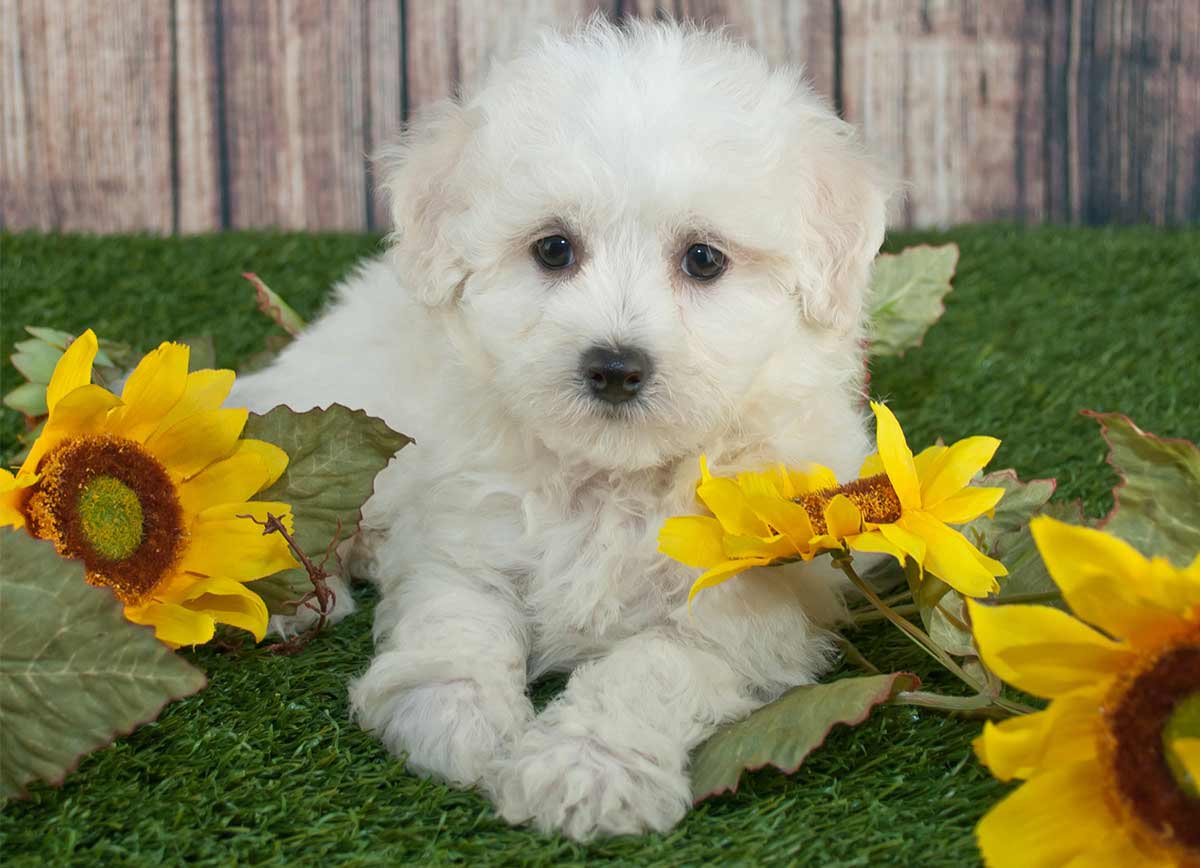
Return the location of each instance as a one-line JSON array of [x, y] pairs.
[[263, 766]]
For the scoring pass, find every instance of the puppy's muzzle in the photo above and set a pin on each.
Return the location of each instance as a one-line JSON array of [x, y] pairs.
[[615, 375]]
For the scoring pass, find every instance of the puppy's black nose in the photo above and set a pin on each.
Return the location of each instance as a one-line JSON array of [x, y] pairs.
[[615, 375]]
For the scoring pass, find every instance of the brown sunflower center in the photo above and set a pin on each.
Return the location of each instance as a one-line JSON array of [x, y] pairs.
[[106, 501], [874, 496], [1149, 709]]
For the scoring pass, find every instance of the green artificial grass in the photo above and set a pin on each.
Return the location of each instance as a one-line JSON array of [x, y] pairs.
[[264, 767]]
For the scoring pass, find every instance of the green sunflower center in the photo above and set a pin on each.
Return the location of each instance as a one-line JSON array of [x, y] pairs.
[[111, 517], [108, 502], [874, 496], [1159, 704], [1184, 722]]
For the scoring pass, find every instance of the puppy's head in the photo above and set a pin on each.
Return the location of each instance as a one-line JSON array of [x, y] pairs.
[[633, 225]]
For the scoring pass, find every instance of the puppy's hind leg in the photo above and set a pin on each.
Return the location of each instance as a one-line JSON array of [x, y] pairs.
[[447, 685]]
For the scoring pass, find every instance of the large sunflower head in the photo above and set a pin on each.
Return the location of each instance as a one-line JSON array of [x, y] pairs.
[[1112, 765], [150, 491]]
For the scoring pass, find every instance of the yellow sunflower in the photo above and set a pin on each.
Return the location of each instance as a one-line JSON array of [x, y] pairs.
[[147, 489], [1112, 765], [755, 521], [901, 505]]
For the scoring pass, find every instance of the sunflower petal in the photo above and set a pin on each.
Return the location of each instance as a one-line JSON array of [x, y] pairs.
[[152, 390], [789, 519], [226, 602], [173, 624], [223, 543], [1107, 582], [896, 457], [927, 459], [190, 445], [842, 517], [723, 573], [234, 479], [74, 369], [203, 390], [872, 466], [771, 548], [966, 505], [82, 410], [873, 542], [1049, 820], [1044, 651], [815, 477], [1065, 732], [950, 556], [905, 540], [10, 497], [726, 500], [956, 467], [274, 457], [694, 540]]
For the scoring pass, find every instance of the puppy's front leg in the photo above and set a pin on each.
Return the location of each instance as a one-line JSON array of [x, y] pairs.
[[609, 756], [447, 686]]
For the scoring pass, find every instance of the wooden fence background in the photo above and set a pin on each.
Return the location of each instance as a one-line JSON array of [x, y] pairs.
[[199, 115]]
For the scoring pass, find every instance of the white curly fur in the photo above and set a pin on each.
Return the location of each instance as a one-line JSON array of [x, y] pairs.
[[518, 536]]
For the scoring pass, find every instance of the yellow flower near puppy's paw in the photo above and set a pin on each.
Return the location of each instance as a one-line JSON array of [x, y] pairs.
[[1112, 765], [146, 489]]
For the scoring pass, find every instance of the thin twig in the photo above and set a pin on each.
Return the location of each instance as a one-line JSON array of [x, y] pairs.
[[322, 594]]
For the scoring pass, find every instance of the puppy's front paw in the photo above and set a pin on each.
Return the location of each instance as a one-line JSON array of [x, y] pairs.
[[450, 730], [580, 786], [305, 617]]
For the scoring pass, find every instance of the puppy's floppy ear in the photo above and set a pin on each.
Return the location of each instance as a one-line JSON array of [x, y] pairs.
[[418, 175], [847, 205]]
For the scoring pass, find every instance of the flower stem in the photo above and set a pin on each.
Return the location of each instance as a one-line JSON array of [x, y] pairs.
[[921, 638]]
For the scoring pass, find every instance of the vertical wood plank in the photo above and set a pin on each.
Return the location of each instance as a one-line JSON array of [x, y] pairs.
[[85, 141], [1137, 111], [198, 181], [451, 43], [294, 112], [797, 32], [384, 75]]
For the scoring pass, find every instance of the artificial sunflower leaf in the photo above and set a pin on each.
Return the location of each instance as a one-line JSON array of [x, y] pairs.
[[1021, 502], [35, 359], [76, 674], [54, 337], [784, 733], [29, 399], [333, 458], [270, 303], [906, 295], [1156, 505]]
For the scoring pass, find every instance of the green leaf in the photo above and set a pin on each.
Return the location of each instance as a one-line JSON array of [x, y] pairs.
[[784, 733], [906, 295], [1157, 502], [54, 337], [334, 456], [28, 398], [270, 303], [36, 360], [75, 673], [203, 354], [1021, 502]]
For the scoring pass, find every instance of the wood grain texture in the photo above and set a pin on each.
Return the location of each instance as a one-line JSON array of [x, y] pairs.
[[199, 189], [294, 112], [797, 32], [85, 141], [384, 93], [949, 95], [452, 42]]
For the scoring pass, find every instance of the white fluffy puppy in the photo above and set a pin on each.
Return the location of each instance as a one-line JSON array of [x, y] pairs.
[[629, 246]]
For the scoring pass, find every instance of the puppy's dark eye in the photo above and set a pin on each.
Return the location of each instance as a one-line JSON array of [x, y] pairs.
[[554, 251], [702, 262]]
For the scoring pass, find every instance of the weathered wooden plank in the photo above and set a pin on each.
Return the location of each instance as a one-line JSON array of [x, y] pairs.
[[294, 112], [198, 180], [385, 101], [85, 142], [948, 94], [451, 43], [798, 32], [1137, 110]]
